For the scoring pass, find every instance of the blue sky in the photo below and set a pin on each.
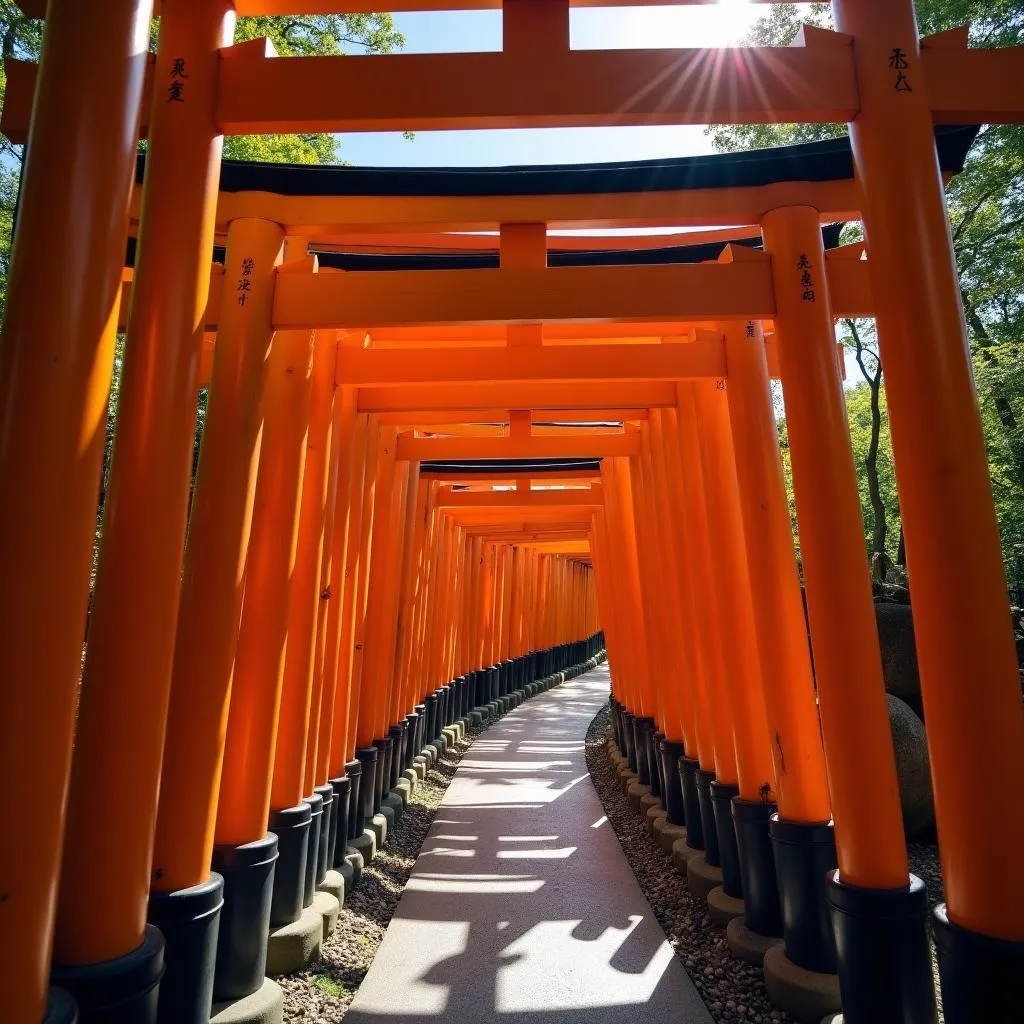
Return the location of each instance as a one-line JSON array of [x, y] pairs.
[[591, 28]]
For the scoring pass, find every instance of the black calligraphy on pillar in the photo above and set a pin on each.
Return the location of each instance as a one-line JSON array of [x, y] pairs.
[[750, 329], [245, 281], [806, 280], [898, 62], [176, 89]]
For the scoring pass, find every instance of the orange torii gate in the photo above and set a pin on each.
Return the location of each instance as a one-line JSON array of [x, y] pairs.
[[55, 373]]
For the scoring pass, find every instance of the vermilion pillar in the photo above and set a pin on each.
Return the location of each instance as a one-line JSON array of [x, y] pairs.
[[953, 554], [296, 875], [800, 833], [135, 604], [212, 585], [244, 802], [55, 364]]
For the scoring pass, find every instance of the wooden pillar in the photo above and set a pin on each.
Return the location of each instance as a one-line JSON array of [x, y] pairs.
[[55, 364], [138, 583]]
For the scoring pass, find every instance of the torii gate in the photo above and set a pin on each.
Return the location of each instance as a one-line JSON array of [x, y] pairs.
[[874, 73]]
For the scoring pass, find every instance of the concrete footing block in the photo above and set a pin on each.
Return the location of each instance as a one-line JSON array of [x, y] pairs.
[[682, 852], [747, 945], [348, 874], [334, 883], [394, 802], [666, 834], [649, 800], [264, 1006], [294, 945], [451, 734], [636, 792], [329, 908], [476, 719], [702, 877], [355, 862], [654, 815], [806, 996], [495, 709], [365, 845], [420, 767], [380, 825], [722, 907], [628, 777], [412, 778]]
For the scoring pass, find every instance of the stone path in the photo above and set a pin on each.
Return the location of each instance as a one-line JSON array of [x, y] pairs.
[[521, 908]]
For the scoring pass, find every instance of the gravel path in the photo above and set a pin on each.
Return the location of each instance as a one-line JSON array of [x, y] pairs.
[[733, 991], [323, 991]]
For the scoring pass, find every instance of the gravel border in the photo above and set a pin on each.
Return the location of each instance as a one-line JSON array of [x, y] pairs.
[[733, 991], [323, 991]]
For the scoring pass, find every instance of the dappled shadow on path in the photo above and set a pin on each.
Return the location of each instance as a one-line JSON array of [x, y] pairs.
[[521, 906]]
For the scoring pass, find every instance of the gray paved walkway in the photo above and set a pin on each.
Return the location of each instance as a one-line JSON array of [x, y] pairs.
[[521, 906]]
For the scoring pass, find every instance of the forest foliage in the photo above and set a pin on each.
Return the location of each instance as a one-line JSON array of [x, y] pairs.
[[986, 213]]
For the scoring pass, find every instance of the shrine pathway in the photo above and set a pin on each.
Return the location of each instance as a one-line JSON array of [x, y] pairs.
[[521, 908]]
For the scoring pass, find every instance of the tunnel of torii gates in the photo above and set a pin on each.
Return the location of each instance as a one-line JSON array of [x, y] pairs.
[[442, 470]]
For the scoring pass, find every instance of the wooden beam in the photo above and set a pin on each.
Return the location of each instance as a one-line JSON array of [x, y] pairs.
[[436, 449], [700, 291], [624, 395], [577, 498], [371, 367]]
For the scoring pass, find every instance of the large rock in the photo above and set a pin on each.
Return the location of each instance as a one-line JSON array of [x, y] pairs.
[[899, 656], [915, 782]]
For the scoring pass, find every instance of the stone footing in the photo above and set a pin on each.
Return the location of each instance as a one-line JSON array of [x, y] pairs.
[[328, 907], [365, 845], [394, 803], [806, 996], [635, 794], [294, 945], [334, 883], [702, 877], [746, 945], [666, 834], [264, 1006], [722, 907], [654, 815], [682, 853]]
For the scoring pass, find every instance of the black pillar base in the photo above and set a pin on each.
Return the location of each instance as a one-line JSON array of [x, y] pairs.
[[323, 851], [383, 772], [356, 821], [339, 821], [982, 977], [316, 811], [430, 724], [61, 1007], [629, 739], [672, 798], [642, 727], [397, 736], [411, 732], [762, 910], [804, 854], [189, 920], [707, 818], [248, 872], [688, 768], [121, 991], [885, 965], [654, 761], [291, 826], [367, 787], [420, 738], [722, 794]]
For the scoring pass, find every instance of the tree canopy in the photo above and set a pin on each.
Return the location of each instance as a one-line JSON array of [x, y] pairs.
[[986, 213]]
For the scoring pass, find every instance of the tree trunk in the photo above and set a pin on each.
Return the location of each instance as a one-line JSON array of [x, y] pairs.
[[880, 526]]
